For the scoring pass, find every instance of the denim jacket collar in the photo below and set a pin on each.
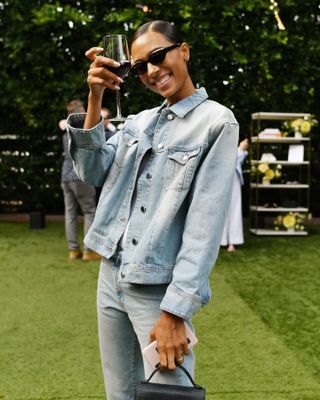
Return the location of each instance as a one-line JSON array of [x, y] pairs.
[[182, 107]]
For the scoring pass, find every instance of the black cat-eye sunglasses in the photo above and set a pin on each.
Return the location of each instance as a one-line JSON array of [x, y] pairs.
[[155, 58]]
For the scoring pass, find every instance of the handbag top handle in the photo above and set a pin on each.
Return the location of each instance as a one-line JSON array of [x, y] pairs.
[[184, 370]]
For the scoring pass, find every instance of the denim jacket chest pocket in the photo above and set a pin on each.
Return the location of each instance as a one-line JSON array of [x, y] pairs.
[[130, 137], [181, 166], [126, 152], [129, 146]]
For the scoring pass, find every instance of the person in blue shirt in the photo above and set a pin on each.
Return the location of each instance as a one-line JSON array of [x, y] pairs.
[[167, 178], [109, 128], [76, 193]]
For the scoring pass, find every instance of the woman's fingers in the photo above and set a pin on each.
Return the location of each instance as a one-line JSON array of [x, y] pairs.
[[178, 356], [101, 61], [103, 83], [103, 72], [99, 76], [169, 332], [170, 353], [92, 53], [167, 355], [163, 360]]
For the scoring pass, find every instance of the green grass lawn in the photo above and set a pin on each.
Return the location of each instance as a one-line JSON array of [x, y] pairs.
[[259, 338]]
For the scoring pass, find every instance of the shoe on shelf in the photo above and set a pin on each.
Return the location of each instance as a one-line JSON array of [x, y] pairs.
[[89, 255], [74, 254]]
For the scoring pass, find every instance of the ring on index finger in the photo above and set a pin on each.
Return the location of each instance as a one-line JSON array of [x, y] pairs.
[[180, 359]]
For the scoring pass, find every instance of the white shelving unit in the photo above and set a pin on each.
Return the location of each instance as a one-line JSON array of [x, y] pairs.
[[279, 186], [271, 232], [265, 205], [279, 209]]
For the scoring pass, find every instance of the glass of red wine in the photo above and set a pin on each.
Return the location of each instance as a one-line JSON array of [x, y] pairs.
[[116, 47]]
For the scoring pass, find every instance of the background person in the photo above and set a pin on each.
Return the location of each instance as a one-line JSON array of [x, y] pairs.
[[109, 128], [233, 229], [167, 179], [76, 193]]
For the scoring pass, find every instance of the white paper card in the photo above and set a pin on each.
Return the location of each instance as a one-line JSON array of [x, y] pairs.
[[296, 153]]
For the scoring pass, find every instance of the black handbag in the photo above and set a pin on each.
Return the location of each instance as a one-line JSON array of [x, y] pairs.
[[147, 390]]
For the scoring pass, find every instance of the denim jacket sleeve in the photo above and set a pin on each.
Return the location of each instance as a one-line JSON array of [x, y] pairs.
[[209, 202], [92, 156]]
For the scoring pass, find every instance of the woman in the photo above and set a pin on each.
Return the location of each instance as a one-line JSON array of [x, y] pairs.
[[233, 229], [167, 179]]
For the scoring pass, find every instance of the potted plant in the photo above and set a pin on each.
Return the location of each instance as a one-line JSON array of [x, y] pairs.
[[266, 172], [292, 222], [300, 126]]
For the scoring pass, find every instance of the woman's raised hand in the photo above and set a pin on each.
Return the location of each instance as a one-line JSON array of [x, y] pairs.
[[99, 77]]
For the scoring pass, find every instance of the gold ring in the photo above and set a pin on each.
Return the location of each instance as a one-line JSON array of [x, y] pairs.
[[180, 359]]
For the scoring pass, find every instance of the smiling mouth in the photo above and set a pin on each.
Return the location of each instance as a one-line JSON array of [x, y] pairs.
[[163, 80]]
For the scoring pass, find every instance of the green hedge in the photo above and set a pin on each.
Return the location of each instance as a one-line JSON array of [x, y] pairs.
[[238, 54]]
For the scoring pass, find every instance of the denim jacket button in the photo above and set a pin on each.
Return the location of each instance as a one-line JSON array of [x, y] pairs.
[[134, 241], [122, 275], [160, 146], [143, 209], [170, 117], [149, 176]]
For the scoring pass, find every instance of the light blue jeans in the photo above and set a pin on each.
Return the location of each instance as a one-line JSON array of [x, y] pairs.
[[126, 314]]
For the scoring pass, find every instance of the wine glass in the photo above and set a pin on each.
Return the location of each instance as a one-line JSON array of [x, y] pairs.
[[116, 47]]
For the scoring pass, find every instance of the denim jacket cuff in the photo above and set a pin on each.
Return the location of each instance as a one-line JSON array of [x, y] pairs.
[[84, 138], [180, 303]]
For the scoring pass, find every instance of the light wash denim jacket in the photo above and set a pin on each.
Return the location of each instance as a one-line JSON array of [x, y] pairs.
[[182, 194]]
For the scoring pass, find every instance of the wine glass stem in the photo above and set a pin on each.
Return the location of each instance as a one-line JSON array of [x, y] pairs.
[[118, 104]]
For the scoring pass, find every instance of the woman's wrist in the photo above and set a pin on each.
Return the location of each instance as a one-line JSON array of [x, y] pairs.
[[95, 97], [93, 110]]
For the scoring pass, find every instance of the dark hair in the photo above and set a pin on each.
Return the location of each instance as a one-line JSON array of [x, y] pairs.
[[166, 29], [75, 106], [108, 112]]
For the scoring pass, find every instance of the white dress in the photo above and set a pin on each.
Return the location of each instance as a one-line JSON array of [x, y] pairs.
[[233, 229]]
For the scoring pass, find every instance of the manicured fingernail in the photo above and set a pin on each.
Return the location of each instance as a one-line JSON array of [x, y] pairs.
[[117, 87], [99, 48], [119, 79], [116, 64]]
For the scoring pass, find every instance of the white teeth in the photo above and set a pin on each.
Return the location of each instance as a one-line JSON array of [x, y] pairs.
[[163, 80]]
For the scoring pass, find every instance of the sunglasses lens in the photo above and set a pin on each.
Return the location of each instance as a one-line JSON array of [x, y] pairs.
[[158, 57], [140, 67]]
